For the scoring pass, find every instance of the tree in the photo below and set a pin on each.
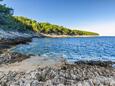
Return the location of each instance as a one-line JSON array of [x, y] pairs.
[[6, 10]]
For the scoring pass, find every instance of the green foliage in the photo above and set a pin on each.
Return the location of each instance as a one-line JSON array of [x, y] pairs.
[[48, 28], [32, 24], [23, 24], [9, 22], [5, 10]]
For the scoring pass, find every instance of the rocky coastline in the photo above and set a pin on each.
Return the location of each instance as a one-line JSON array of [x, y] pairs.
[[65, 75], [66, 36], [80, 73]]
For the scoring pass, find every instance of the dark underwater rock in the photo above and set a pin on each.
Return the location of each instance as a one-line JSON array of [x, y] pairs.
[[97, 63]]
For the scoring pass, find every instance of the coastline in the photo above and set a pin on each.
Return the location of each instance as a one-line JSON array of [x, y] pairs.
[[48, 72], [21, 70], [67, 36], [39, 53]]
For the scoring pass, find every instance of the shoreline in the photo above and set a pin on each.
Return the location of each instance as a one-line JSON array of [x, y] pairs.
[[67, 36], [55, 74], [22, 70], [22, 63]]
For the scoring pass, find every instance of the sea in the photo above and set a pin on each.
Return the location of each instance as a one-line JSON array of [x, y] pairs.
[[72, 49]]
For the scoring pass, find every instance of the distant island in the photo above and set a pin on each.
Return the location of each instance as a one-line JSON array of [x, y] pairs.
[[23, 24]]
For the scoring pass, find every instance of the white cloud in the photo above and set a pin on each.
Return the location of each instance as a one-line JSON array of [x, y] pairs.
[[104, 29]]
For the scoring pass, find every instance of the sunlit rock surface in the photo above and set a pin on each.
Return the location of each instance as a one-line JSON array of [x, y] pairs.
[[67, 75], [16, 37]]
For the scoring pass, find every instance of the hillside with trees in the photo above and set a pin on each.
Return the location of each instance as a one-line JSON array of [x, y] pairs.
[[20, 23], [48, 28]]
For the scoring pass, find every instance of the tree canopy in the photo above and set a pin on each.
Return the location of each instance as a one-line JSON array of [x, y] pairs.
[[20, 23], [5, 10], [48, 28]]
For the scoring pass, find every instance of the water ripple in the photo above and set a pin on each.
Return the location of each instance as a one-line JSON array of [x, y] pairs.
[[95, 48]]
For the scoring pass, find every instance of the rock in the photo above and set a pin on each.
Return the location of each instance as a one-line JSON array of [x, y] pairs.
[[73, 75], [11, 57], [35, 83], [16, 41], [99, 63], [48, 83]]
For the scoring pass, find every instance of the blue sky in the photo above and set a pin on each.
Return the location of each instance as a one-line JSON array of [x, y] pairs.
[[91, 15]]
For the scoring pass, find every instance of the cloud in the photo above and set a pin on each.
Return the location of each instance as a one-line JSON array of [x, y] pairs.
[[103, 28]]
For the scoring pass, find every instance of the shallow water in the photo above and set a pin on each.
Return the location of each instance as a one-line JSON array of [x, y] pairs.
[[89, 48]]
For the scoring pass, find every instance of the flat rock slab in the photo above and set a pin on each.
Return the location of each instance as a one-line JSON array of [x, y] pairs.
[[30, 64]]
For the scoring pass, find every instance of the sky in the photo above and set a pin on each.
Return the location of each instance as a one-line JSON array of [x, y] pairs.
[[90, 15]]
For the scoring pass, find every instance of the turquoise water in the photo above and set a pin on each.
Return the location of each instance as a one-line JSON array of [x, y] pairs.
[[73, 49]]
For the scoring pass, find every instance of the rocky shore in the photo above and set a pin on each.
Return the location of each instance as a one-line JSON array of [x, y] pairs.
[[81, 73], [15, 37], [66, 36], [21, 70], [8, 57], [8, 39], [61, 73], [65, 75]]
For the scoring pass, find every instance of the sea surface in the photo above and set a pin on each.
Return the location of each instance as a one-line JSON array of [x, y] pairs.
[[73, 49]]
